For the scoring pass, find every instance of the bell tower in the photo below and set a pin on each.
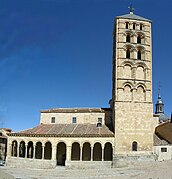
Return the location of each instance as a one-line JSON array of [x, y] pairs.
[[132, 85]]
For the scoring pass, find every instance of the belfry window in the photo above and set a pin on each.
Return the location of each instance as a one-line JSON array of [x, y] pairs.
[[139, 40], [128, 53], [139, 55], [134, 146], [128, 38], [134, 26], [127, 25]]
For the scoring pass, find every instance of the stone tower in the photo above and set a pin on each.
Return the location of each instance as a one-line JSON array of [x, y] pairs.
[[132, 85]]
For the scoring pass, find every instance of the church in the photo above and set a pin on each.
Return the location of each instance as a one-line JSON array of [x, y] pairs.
[[126, 132]]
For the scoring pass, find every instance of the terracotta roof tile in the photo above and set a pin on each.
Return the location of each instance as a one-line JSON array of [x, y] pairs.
[[164, 131], [67, 129]]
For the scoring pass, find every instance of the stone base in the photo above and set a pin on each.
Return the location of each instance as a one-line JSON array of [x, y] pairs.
[[126, 160], [50, 164], [30, 163]]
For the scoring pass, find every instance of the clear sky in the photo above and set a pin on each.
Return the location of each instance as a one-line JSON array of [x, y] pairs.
[[58, 53]]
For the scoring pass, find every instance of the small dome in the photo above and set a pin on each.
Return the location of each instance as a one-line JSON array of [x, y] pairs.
[[163, 118]]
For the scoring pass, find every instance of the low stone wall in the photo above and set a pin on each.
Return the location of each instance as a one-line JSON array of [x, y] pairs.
[[30, 163], [130, 160]]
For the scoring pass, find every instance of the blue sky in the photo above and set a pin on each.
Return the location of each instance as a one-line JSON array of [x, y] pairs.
[[58, 53]]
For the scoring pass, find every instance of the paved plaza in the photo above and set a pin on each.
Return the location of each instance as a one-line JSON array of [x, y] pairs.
[[153, 170]]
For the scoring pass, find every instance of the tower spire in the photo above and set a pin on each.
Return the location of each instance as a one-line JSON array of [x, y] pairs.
[[159, 104]]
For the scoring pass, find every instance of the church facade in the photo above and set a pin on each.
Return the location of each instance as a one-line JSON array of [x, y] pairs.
[[114, 136]]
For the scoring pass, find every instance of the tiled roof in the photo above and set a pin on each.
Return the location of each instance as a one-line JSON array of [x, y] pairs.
[[67, 130], [158, 141], [75, 110], [164, 131], [133, 16]]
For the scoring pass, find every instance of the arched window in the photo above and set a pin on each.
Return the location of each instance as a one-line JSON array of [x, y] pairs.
[[128, 53], [134, 26], [139, 55], [141, 27], [139, 40], [134, 146], [127, 25], [128, 38]]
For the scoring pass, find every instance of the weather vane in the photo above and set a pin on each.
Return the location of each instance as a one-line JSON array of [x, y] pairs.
[[131, 9]]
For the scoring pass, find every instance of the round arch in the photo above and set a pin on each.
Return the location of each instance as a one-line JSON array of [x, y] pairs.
[[48, 151], [22, 149], [86, 152], [97, 152], [30, 149], [75, 154], [108, 151], [61, 153], [38, 150]]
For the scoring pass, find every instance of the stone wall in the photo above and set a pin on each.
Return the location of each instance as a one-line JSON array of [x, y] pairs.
[[66, 118]]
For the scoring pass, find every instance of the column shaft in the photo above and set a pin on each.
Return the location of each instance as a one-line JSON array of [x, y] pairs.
[[81, 153], [43, 152], [91, 153]]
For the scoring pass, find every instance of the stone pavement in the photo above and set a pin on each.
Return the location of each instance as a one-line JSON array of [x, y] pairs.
[[62, 173], [150, 170]]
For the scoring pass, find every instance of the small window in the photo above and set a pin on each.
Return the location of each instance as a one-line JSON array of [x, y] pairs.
[[139, 40], [127, 25], [99, 120], [134, 146], [53, 119], [0, 133], [74, 120], [134, 26], [141, 27], [128, 53], [164, 149], [139, 55], [128, 38]]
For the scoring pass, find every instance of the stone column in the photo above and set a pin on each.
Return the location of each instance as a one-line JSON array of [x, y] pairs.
[[43, 147], [68, 156], [34, 146], [53, 153], [26, 151], [80, 153], [18, 150], [92, 153], [102, 153], [10, 150]]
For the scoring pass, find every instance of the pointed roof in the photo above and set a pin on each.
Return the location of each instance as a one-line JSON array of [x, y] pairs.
[[133, 16]]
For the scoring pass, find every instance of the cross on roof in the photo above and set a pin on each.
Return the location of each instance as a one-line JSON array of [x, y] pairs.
[[159, 88], [131, 9]]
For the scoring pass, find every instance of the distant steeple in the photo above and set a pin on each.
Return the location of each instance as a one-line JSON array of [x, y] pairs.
[[159, 104]]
